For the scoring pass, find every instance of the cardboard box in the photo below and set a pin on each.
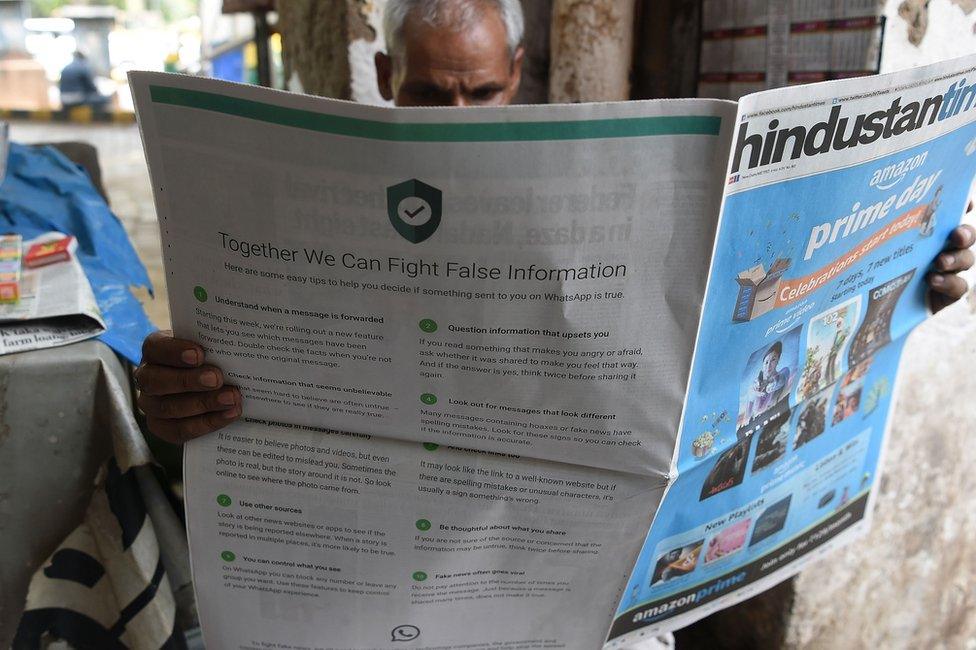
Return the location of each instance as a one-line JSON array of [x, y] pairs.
[[51, 252], [757, 290]]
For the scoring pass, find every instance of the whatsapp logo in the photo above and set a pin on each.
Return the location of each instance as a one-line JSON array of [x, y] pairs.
[[405, 633], [414, 209]]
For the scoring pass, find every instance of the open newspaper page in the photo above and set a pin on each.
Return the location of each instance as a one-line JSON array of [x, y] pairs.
[[56, 307], [497, 305], [839, 196]]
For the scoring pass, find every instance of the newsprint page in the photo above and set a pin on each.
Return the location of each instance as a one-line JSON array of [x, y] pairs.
[[56, 305], [510, 380]]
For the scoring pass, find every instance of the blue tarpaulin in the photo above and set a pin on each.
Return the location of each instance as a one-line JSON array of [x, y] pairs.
[[44, 191]]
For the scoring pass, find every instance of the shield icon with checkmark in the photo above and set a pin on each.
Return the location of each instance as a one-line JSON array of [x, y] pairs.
[[414, 209]]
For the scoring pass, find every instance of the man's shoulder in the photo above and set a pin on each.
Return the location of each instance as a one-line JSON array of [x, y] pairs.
[[73, 69]]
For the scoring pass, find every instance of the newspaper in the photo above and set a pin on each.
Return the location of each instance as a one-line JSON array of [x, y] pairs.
[[56, 307], [838, 197], [502, 308]]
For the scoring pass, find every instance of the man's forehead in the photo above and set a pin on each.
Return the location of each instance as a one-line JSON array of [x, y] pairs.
[[458, 13], [448, 43]]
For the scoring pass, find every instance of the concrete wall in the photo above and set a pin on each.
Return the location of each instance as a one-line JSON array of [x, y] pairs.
[[943, 29], [911, 583]]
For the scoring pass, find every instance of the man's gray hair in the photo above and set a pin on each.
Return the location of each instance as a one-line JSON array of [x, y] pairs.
[[456, 14]]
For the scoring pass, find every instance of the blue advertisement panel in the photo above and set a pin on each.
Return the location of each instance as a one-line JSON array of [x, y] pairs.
[[814, 285]]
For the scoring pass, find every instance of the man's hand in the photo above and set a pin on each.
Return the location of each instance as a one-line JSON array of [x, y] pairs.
[[945, 284], [181, 397]]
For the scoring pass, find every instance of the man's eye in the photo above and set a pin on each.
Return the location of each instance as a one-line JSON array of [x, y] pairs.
[[426, 93], [484, 94]]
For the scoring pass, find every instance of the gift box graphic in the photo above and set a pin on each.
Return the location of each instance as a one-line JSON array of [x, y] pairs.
[[757, 290]]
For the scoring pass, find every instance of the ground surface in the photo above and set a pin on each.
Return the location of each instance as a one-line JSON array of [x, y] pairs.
[[910, 584]]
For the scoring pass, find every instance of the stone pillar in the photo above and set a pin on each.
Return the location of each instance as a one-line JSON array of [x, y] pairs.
[[315, 45], [592, 50], [365, 22]]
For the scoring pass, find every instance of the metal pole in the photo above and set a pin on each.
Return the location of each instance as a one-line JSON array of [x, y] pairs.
[[262, 33]]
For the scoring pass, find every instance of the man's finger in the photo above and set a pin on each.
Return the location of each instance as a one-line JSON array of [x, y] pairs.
[[179, 431], [170, 407], [963, 237], [161, 348], [949, 285], [947, 288], [961, 260], [162, 380]]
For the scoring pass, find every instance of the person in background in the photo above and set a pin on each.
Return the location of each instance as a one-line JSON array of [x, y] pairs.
[[439, 53], [77, 85]]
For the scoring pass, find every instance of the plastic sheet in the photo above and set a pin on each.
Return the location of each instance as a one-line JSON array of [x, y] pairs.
[[44, 191]]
